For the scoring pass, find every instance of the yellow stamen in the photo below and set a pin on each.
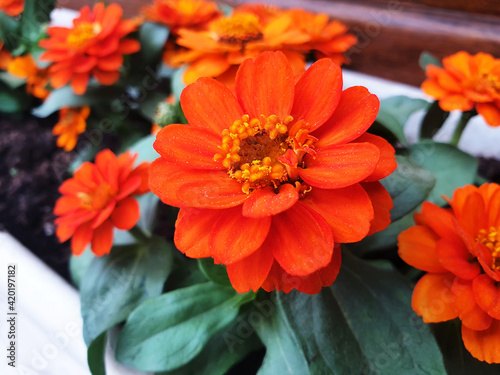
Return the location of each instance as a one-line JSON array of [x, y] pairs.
[[82, 33], [491, 239], [237, 29]]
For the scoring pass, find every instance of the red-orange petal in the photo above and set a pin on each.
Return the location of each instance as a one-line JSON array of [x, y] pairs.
[[356, 111], [206, 66], [454, 256], [81, 238], [339, 166], [126, 213], [469, 312], [487, 294], [432, 298], [440, 220], [417, 247], [235, 236], [210, 105], [472, 216], [303, 240], [251, 271], [66, 204], [317, 93], [382, 205], [453, 102], [387, 162], [348, 211], [79, 83], [187, 145], [490, 113], [192, 231], [110, 63], [106, 78], [483, 345], [102, 240], [265, 86], [265, 202]]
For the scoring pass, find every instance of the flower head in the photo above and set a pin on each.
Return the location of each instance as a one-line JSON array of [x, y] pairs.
[[181, 13], [272, 179], [97, 199], [12, 7], [72, 123], [36, 79], [94, 46], [466, 81], [459, 248]]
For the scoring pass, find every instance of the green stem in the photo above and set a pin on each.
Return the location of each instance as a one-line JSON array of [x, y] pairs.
[[464, 119], [139, 234]]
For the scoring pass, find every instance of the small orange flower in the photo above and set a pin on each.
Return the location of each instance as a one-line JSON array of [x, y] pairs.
[[467, 81], [97, 199], [12, 7], [181, 13], [5, 57], [94, 46], [271, 180], [459, 247], [36, 79], [72, 122]]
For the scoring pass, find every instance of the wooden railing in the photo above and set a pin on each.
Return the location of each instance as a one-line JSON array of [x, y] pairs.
[[393, 33]]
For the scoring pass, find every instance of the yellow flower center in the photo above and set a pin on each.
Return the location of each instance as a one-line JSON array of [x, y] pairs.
[[82, 33], [85, 200], [491, 81], [186, 7], [237, 29], [261, 152], [491, 239], [97, 199]]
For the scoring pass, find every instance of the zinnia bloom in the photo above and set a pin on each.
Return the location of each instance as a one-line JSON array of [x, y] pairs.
[[181, 13], [97, 199], [94, 46], [269, 181], [36, 79], [12, 7], [72, 123], [459, 247], [466, 81]]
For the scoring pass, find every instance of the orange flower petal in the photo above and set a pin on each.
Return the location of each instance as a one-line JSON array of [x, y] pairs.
[[356, 111], [142, 173], [417, 247], [192, 231], [102, 241], [107, 165], [317, 93], [262, 90], [235, 236], [210, 105], [485, 258], [303, 241], [60, 78], [179, 187], [432, 298], [340, 166], [128, 46], [382, 205], [490, 113], [106, 78], [207, 66], [440, 220], [81, 238], [454, 256], [472, 215], [84, 64], [65, 205], [487, 294], [126, 213], [103, 214], [483, 345], [110, 63], [387, 162], [471, 315], [348, 211], [453, 102], [189, 145], [251, 271], [79, 83], [265, 202], [431, 87]]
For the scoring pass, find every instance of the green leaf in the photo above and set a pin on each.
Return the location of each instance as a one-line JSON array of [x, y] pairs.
[[457, 359], [362, 324], [95, 355], [12, 101], [395, 111], [409, 185], [426, 58], [78, 266], [35, 14], [9, 31], [116, 284], [451, 167], [148, 204], [11, 81], [167, 332], [224, 350], [149, 106], [214, 272], [152, 37], [178, 83], [433, 120]]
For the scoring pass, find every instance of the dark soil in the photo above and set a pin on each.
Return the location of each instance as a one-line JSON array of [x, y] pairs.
[[31, 169]]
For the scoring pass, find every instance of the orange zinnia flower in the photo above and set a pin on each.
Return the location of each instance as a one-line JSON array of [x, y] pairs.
[[93, 46], [36, 79], [459, 247], [181, 13], [72, 123], [271, 180], [5, 57], [12, 7], [467, 81], [97, 199]]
